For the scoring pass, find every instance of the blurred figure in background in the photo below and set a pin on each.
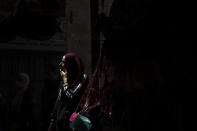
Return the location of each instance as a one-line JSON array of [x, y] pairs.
[[21, 105]]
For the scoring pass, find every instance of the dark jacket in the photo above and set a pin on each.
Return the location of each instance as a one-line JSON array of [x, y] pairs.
[[66, 103]]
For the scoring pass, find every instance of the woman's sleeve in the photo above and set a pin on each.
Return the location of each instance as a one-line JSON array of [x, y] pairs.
[[71, 92], [54, 111]]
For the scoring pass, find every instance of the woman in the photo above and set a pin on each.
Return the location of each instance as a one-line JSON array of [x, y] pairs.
[[74, 82], [21, 110]]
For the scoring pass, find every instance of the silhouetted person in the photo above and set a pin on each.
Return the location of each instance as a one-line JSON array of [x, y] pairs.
[[74, 81], [21, 105]]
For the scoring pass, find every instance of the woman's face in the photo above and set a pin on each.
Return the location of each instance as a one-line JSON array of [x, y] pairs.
[[62, 64]]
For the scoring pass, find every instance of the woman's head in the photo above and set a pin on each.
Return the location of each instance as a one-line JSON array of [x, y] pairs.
[[22, 80], [74, 67]]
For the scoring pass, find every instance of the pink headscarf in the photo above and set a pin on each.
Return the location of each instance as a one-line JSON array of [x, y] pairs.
[[75, 68]]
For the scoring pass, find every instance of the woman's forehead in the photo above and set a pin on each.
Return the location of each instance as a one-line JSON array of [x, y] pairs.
[[63, 58]]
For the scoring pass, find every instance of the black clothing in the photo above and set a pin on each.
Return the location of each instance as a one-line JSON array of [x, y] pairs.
[[21, 111], [49, 95], [66, 103]]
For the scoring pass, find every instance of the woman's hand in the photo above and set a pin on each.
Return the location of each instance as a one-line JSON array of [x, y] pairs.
[[63, 75]]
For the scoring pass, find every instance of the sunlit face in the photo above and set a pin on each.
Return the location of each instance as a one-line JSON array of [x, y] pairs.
[[62, 63], [63, 58]]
